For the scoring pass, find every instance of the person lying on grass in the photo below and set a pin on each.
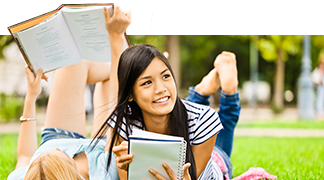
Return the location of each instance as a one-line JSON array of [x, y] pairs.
[[65, 151], [144, 94], [146, 98]]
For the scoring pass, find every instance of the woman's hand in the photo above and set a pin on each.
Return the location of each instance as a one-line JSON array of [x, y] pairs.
[[121, 155], [34, 83], [172, 176], [27, 140], [118, 23]]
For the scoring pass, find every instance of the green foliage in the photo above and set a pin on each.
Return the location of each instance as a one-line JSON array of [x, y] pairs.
[[158, 41], [317, 48], [270, 44], [199, 52], [268, 49], [11, 107], [5, 40]]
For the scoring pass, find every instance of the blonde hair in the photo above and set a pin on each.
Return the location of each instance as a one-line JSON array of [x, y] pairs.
[[50, 167]]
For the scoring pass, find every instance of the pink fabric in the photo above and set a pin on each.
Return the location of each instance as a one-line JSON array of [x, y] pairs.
[[254, 173], [221, 163]]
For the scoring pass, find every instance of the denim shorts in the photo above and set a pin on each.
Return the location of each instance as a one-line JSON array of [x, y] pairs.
[[57, 133]]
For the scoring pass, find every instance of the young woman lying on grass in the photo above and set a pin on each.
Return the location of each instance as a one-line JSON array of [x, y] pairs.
[[146, 98], [65, 151]]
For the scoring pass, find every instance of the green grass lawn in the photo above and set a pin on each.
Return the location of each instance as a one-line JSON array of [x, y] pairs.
[[8, 154], [279, 123], [287, 158]]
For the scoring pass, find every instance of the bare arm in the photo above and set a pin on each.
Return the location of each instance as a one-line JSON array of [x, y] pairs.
[[202, 153], [27, 140], [116, 26]]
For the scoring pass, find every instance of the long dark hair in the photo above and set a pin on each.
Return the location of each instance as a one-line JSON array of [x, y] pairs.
[[133, 61]]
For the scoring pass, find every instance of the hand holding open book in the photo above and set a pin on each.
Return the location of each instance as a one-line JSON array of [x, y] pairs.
[[64, 36], [114, 26], [153, 156]]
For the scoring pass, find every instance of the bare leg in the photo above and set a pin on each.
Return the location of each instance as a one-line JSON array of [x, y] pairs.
[[223, 75], [225, 63], [65, 108], [101, 105], [209, 84], [229, 109]]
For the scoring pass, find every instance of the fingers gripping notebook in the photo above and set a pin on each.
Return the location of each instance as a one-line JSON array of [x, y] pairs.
[[151, 150]]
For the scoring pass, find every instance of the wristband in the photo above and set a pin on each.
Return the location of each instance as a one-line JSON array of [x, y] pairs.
[[27, 119]]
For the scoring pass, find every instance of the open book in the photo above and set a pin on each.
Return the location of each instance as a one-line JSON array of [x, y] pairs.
[[64, 36], [150, 150]]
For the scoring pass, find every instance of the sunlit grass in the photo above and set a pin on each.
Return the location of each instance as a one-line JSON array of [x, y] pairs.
[[8, 154], [287, 158], [299, 124]]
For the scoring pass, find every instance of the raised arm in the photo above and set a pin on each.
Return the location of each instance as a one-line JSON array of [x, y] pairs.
[[116, 26], [27, 140]]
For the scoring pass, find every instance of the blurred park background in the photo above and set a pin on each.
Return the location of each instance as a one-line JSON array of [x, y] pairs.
[[269, 67], [278, 129]]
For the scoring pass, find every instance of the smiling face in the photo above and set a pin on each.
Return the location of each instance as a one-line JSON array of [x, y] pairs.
[[155, 91]]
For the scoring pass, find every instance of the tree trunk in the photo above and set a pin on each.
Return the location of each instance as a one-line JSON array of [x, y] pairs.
[[279, 81], [174, 59]]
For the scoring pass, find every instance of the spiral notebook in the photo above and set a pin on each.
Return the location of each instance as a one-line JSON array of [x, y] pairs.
[[150, 150]]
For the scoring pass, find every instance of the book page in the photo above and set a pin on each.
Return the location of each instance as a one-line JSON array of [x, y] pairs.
[[49, 45], [151, 154], [150, 135], [87, 25]]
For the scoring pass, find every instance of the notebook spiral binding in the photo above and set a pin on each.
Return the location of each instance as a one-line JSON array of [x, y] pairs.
[[182, 157]]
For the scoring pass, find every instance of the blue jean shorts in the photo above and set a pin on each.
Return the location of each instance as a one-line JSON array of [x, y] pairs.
[[57, 133]]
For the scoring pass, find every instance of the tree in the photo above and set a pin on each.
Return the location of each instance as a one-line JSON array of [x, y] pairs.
[[197, 54], [172, 45], [276, 48]]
